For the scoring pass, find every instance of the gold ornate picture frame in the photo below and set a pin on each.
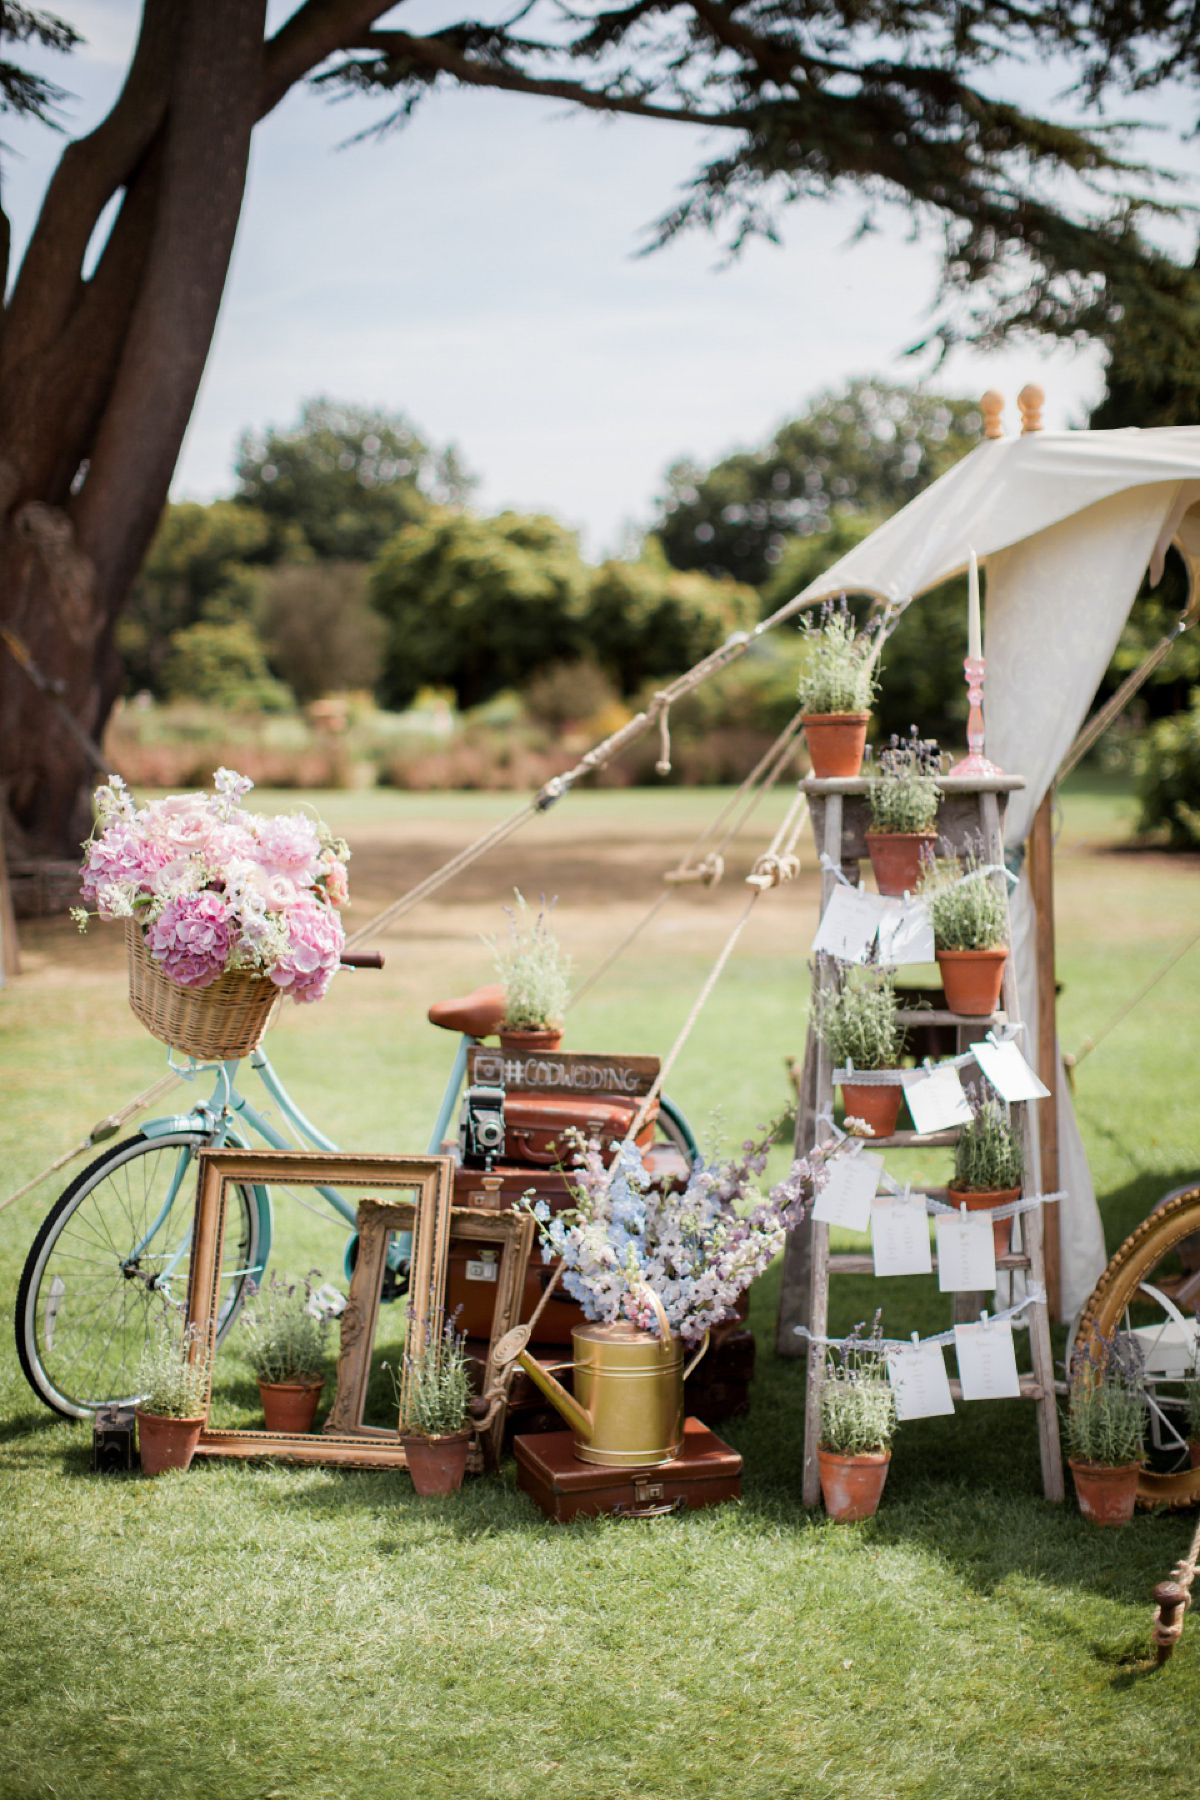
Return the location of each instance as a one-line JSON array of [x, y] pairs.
[[429, 1179]]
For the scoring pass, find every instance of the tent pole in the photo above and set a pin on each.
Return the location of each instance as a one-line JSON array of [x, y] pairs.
[[1041, 882]]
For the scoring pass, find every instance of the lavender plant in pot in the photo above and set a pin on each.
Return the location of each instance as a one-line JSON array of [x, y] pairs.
[[858, 1423], [1106, 1429], [989, 1164], [970, 928], [858, 1026], [837, 685], [534, 972], [904, 798], [435, 1395], [287, 1331], [173, 1380]]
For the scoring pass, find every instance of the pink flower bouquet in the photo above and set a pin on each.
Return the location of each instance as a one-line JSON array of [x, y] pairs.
[[216, 889]]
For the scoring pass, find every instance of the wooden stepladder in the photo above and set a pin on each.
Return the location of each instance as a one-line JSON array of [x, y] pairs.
[[970, 810]]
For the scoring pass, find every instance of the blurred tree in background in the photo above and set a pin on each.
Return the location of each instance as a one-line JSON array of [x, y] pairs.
[[339, 483], [320, 631], [866, 448]]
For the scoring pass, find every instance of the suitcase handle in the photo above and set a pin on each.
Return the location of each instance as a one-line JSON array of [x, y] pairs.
[[622, 1511]]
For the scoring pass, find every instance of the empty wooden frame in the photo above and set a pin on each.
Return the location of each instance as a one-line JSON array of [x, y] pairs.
[[428, 1179], [436, 1224]]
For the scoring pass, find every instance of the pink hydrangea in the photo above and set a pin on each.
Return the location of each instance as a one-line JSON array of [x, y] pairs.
[[315, 941], [289, 845], [192, 938], [121, 855]]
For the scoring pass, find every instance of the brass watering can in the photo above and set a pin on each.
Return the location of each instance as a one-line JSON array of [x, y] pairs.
[[627, 1408]]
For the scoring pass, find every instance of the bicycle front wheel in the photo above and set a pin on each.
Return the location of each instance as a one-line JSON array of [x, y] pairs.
[[115, 1243]]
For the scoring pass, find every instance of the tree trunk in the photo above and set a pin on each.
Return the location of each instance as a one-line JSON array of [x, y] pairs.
[[98, 378]]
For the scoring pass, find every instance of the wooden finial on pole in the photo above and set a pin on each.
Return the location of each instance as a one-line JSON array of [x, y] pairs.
[[1031, 400], [992, 408]]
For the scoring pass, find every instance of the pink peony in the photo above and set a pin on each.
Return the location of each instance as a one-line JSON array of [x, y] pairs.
[[315, 945], [184, 821], [192, 938], [121, 854], [289, 845], [337, 886]]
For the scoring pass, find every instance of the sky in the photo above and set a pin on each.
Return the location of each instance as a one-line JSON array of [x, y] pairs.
[[479, 272]]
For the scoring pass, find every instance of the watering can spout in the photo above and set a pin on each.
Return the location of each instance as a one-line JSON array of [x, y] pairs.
[[577, 1417]]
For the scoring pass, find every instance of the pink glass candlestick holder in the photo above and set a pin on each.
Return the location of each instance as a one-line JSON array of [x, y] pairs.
[[975, 764]]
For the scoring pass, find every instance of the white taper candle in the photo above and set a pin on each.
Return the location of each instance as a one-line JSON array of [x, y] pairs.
[[974, 632]]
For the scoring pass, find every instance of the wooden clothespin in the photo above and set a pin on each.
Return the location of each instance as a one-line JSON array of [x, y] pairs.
[[992, 408], [1031, 400]]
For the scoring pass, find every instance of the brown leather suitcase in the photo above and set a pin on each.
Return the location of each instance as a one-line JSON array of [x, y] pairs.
[[535, 1125], [705, 1473]]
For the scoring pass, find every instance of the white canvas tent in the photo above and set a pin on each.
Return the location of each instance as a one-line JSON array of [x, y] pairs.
[[1066, 524]]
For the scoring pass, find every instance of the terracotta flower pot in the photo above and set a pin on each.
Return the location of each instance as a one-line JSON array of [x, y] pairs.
[[1106, 1496], [437, 1464], [878, 1106], [973, 979], [853, 1485], [529, 1043], [896, 858], [980, 1200], [290, 1405], [166, 1443], [837, 743]]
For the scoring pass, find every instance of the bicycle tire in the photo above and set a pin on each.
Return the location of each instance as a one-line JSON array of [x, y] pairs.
[[1159, 1232], [675, 1128], [83, 1244]]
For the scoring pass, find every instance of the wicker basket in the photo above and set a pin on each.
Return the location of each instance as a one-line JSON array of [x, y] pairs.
[[214, 1023]]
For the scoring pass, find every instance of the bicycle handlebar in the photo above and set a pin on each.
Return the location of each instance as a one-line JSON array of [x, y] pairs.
[[362, 959]]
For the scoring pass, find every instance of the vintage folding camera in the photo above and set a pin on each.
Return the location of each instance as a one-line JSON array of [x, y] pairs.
[[481, 1127]]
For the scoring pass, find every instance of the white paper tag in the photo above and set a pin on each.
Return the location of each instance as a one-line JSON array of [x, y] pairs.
[[919, 1382], [987, 1361], [848, 925], [900, 1235], [966, 1252], [846, 1197], [936, 1099], [1008, 1072], [905, 933]]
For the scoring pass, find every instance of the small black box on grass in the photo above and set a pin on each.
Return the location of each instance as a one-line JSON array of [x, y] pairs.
[[114, 1440]]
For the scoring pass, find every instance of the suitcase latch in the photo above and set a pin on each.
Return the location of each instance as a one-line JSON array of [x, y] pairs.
[[646, 1490]]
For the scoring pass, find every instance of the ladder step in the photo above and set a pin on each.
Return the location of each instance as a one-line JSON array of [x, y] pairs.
[[1031, 1388], [913, 1140], [849, 1262], [924, 1015]]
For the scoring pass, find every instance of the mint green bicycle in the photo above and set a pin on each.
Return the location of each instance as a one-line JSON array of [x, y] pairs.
[[118, 1238]]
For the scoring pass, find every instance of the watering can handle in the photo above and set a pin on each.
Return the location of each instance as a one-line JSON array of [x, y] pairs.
[[698, 1355], [660, 1313]]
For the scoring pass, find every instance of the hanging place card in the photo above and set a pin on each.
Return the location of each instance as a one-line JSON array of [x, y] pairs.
[[848, 925], [846, 1197], [905, 933], [966, 1252], [936, 1099], [900, 1234], [1008, 1072], [987, 1360], [920, 1387]]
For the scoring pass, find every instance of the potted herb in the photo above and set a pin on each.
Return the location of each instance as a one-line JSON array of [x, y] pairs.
[[836, 688], [858, 1422], [858, 1026], [435, 1395], [287, 1330], [173, 1378], [903, 798], [989, 1165], [970, 926], [1106, 1429], [534, 972]]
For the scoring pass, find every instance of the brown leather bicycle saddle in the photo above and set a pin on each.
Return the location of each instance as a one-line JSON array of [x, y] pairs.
[[478, 1014]]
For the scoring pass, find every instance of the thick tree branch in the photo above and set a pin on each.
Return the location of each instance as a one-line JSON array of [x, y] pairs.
[[314, 32], [88, 174], [432, 56]]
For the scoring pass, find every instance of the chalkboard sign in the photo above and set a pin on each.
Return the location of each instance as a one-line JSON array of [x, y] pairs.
[[563, 1072]]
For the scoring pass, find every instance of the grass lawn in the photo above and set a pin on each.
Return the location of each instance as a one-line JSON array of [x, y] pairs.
[[257, 1631]]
